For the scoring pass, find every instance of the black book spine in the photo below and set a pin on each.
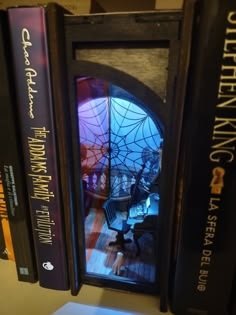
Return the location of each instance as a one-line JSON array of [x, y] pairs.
[[56, 47], [232, 304], [35, 111], [11, 166], [206, 253]]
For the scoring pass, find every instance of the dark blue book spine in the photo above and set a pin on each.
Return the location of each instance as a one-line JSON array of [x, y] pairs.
[[28, 32]]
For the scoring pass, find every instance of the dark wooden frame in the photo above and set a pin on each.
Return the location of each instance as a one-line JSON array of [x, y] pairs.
[[145, 28]]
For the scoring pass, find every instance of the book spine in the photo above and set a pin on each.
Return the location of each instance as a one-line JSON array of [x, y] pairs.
[[11, 166], [3, 251], [232, 304], [28, 32], [8, 252], [206, 253], [56, 47]]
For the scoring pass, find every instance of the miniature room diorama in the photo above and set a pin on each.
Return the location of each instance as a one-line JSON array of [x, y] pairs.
[[122, 71], [120, 149]]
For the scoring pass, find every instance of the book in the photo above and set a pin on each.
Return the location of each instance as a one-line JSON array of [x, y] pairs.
[[232, 304], [13, 185], [3, 250], [206, 256], [7, 251], [72, 308], [58, 71], [28, 35], [126, 94]]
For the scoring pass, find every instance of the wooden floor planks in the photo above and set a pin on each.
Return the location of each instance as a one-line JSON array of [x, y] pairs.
[[100, 256]]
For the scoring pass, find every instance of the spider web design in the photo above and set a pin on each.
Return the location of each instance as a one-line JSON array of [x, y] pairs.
[[116, 138]]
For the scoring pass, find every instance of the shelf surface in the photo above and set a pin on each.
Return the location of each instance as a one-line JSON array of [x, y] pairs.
[[19, 298]]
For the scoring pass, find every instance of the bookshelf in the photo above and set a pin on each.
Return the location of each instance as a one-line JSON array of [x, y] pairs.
[[18, 298], [84, 6]]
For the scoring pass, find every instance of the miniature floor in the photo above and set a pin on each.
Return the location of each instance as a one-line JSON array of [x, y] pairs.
[[100, 256]]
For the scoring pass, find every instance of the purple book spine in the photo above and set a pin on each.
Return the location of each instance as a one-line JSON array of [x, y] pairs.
[[28, 33]]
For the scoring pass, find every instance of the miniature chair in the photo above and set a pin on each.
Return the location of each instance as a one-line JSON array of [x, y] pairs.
[[138, 229], [116, 223], [149, 222]]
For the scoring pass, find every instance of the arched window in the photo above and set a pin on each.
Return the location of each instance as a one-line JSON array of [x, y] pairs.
[[118, 136]]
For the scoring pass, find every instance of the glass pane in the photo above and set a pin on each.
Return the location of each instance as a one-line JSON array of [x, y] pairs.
[[134, 141]]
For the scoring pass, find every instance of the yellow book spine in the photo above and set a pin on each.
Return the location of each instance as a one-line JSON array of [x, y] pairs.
[[5, 225]]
